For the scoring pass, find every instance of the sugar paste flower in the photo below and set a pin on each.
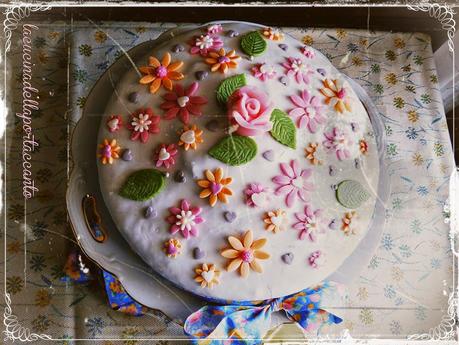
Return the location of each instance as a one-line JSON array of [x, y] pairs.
[[256, 195], [297, 69], [221, 60], [316, 259], [311, 155], [214, 29], [161, 73], [250, 109], [165, 155], [335, 94], [308, 52], [244, 253], [310, 223], [346, 222], [114, 123], [207, 275], [108, 151], [183, 102], [185, 219], [190, 137], [363, 146], [263, 71], [293, 182], [275, 221], [215, 186], [143, 123], [205, 43], [172, 247], [273, 34], [307, 112], [338, 140]]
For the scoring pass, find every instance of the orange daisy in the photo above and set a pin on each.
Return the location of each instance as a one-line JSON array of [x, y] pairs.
[[244, 253], [215, 186], [310, 154], [273, 34], [346, 222], [275, 221], [190, 137], [220, 60], [108, 151], [363, 145], [207, 275], [335, 94], [161, 73]]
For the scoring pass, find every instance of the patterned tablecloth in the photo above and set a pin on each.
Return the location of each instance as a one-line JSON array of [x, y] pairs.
[[403, 290]]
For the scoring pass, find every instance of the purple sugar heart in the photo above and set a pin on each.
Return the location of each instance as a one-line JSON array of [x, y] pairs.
[[287, 258], [201, 75], [284, 80], [230, 216], [126, 155], [149, 212], [332, 225], [283, 46], [133, 97], [178, 48], [198, 253], [322, 72], [332, 170], [268, 155]]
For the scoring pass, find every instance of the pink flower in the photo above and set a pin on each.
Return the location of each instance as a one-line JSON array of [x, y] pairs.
[[256, 195], [293, 182], [250, 109], [143, 123], [214, 29], [165, 155], [114, 123], [310, 223], [308, 111], [263, 71], [295, 68], [183, 102], [339, 142], [205, 43], [316, 259], [185, 219], [308, 52]]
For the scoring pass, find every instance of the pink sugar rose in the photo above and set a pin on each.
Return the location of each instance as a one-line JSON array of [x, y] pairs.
[[250, 109]]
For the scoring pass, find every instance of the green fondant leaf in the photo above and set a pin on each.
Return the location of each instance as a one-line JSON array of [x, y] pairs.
[[228, 86], [253, 43], [143, 185], [351, 194], [234, 150], [283, 130]]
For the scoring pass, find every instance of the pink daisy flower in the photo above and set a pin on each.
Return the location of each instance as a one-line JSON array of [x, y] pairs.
[[293, 182], [308, 111], [183, 102], [297, 69], [143, 123], [310, 223], [185, 219], [338, 141], [308, 52], [214, 29], [205, 43], [263, 71], [114, 123], [165, 155], [256, 195]]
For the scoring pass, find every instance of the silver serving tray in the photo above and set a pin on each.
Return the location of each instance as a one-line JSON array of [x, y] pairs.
[[114, 254]]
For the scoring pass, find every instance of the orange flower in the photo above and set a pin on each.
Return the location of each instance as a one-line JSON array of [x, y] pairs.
[[335, 93], [273, 34], [346, 222], [363, 146], [220, 60], [215, 186], [190, 137], [207, 275], [244, 253], [172, 247], [157, 73], [310, 151], [108, 151], [275, 221]]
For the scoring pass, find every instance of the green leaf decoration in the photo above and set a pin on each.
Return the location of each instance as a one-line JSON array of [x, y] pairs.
[[234, 150], [228, 86], [253, 44], [143, 185], [351, 194], [283, 130]]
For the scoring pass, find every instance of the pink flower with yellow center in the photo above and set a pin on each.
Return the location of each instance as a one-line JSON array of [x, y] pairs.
[[185, 219], [205, 43], [310, 223], [244, 253], [161, 73], [143, 123]]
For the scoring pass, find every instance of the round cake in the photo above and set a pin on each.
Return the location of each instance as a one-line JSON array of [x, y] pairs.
[[238, 163]]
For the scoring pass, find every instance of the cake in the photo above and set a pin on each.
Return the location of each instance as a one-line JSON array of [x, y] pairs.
[[238, 163]]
